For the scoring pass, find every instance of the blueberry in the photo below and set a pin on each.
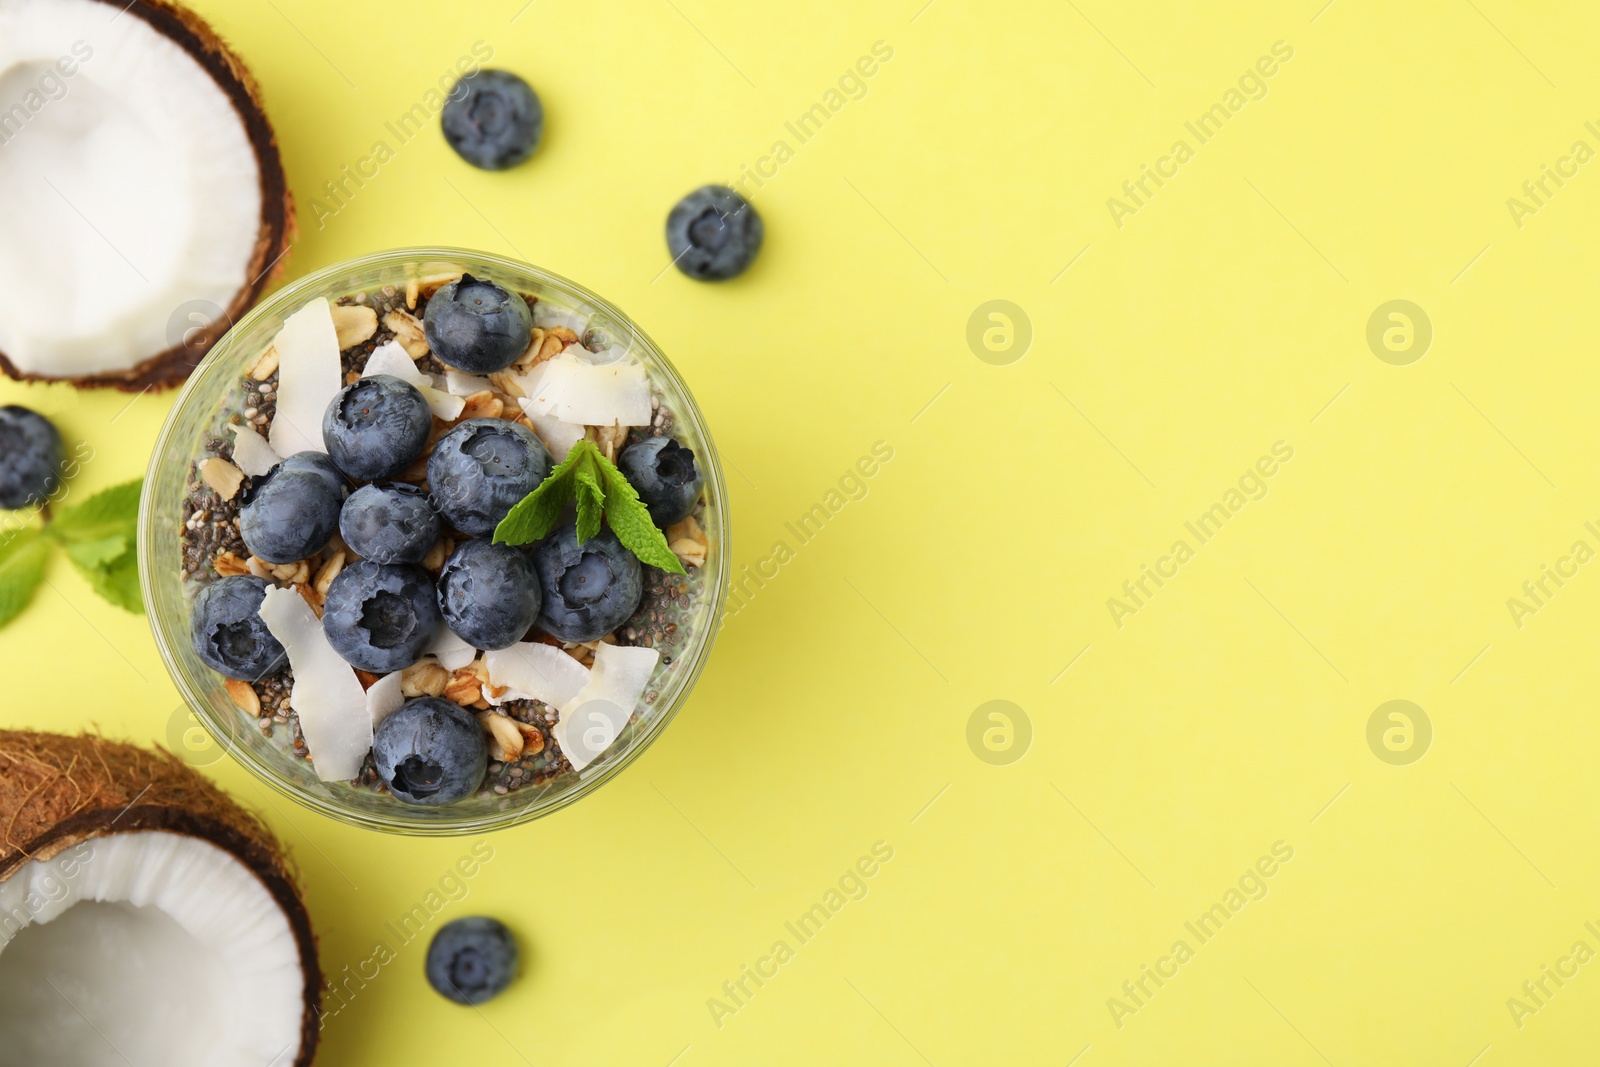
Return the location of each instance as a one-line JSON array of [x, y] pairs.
[[318, 463], [293, 511], [30, 457], [477, 326], [489, 594], [381, 616], [392, 522], [376, 426], [481, 468], [493, 119], [665, 475], [589, 589], [430, 751], [227, 632], [471, 960], [713, 234]]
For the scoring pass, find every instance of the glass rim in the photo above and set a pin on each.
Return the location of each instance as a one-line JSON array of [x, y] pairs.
[[201, 386]]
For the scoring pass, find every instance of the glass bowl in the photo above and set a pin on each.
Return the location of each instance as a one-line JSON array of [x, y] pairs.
[[198, 415]]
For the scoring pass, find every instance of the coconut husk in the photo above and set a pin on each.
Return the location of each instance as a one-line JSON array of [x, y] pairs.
[[277, 226], [58, 791]]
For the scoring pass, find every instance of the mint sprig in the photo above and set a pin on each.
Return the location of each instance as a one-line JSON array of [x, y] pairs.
[[600, 491], [98, 536]]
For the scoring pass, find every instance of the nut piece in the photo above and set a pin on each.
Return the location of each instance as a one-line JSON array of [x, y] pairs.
[[505, 740], [556, 339], [481, 405], [688, 542], [432, 283], [221, 476], [228, 565], [297, 573], [243, 695], [424, 678], [328, 572], [610, 439], [532, 738], [311, 597], [411, 294], [266, 364], [259, 567], [531, 356], [480, 667], [506, 382], [464, 687], [689, 553], [433, 562], [408, 331], [354, 323]]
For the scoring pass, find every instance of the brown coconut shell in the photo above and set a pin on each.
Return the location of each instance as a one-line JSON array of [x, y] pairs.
[[57, 792], [277, 225]]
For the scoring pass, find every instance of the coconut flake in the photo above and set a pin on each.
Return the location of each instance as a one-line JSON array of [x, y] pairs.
[[459, 384], [308, 378], [326, 695], [594, 717], [558, 436], [384, 697], [391, 359], [451, 652], [533, 670], [574, 390], [533, 380], [251, 453]]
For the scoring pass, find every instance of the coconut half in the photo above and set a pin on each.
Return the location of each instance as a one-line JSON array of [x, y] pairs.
[[144, 916], [143, 206]]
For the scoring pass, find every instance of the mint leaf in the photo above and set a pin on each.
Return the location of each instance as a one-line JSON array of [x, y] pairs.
[[22, 560], [109, 512], [535, 515], [591, 499], [99, 536], [117, 581], [630, 520], [93, 555]]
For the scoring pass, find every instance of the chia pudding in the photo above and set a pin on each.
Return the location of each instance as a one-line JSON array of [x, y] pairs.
[[244, 455]]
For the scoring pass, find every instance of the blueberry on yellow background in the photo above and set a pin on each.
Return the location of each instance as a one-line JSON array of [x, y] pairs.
[[1173, 501]]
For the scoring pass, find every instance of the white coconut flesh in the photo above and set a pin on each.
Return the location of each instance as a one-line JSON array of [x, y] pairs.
[[146, 948], [128, 190]]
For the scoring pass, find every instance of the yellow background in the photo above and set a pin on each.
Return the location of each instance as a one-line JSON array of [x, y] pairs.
[[1229, 713]]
